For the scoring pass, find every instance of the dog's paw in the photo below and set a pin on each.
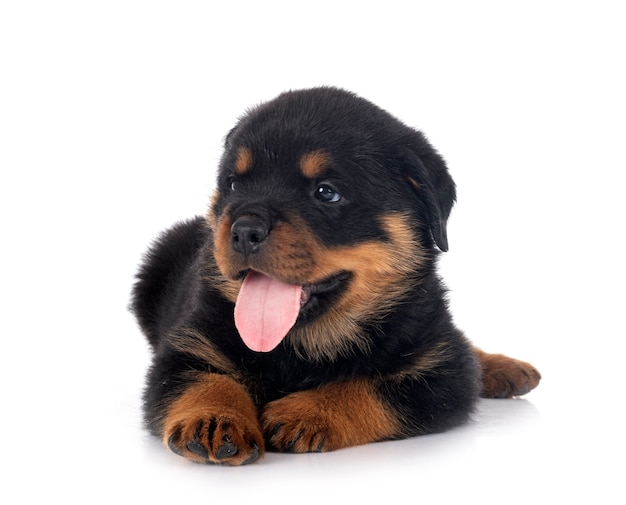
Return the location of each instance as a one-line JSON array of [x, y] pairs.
[[226, 440], [327, 418], [297, 424], [214, 421], [504, 377]]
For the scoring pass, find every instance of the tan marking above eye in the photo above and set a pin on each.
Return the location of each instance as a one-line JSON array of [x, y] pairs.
[[314, 163], [243, 162]]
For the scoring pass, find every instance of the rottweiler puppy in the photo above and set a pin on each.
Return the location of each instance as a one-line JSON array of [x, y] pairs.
[[304, 312]]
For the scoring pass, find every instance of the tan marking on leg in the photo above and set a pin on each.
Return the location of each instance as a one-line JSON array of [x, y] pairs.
[[505, 377], [214, 420], [328, 418]]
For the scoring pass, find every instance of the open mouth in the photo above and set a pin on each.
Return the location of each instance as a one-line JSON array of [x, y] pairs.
[[316, 298], [267, 308]]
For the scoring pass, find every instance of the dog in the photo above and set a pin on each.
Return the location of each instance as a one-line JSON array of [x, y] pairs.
[[305, 313]]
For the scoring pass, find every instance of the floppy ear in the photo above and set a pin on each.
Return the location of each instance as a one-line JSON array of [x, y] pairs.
[[428, 174]]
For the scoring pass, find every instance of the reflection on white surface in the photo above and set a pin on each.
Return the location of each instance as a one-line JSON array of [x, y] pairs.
[[509, 449]]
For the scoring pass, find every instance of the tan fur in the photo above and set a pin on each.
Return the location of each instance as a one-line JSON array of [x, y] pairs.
[[504, 377], [328, 418], [382, 273], [217, 402], [243, 162], [192, 342], [423, 364], [314, 164], [228, 284], [211, 218], [413, 182]]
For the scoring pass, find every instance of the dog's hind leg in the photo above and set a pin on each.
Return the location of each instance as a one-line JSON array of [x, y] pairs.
[[504, 377]]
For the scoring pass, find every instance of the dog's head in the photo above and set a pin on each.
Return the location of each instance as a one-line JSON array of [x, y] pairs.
[[326, 211]]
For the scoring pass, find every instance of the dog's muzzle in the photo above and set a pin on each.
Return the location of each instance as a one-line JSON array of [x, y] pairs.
[[248, 232]]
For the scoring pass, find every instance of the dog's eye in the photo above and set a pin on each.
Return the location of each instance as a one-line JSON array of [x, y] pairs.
[[327, 194], [232, 183]]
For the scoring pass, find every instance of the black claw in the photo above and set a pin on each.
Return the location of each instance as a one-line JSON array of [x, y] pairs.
[[196, 446], [253, 456], [172, 442], [290, 446], [227, 450], [198, 431], [522, 391], [502, 394], [275, 430]]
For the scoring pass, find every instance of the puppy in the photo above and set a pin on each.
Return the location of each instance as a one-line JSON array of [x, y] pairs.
[[304, 313]]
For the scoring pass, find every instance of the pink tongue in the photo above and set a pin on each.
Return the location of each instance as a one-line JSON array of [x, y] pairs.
[[265, 311]]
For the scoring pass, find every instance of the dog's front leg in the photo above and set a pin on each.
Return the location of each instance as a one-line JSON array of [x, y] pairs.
[[328, 418], [213, 420]]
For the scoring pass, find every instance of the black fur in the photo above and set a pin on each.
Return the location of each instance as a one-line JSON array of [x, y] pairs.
[[379, 167]]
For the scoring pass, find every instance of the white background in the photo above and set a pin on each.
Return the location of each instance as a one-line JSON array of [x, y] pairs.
[[112, 116]]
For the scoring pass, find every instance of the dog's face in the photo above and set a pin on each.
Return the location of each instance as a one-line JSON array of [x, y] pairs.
[[326, 210]]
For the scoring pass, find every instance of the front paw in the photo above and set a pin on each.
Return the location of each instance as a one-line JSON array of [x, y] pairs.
[[328, 418], [214, 421], [297, 424], [218, 439]]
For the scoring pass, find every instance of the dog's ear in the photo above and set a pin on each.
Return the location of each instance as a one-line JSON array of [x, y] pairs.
[[428, 174]]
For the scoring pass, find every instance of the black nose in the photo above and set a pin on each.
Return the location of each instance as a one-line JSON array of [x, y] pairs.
[[248, 233]]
